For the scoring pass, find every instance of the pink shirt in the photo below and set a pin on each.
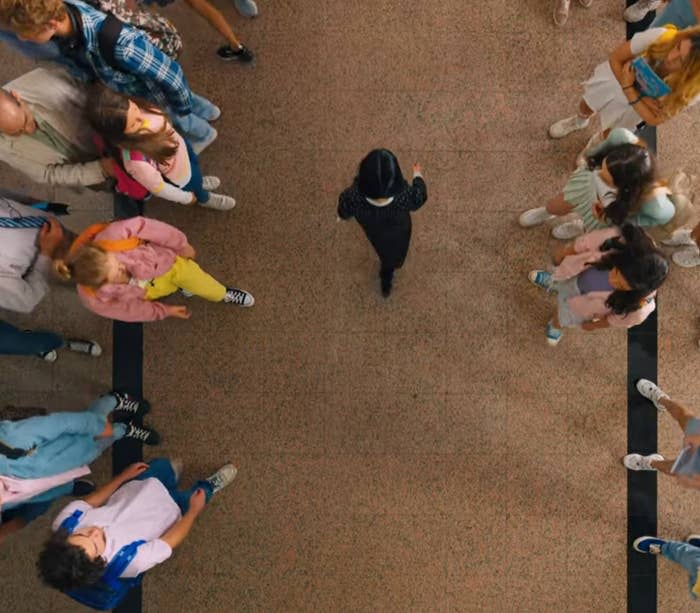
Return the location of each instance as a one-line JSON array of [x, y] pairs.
[[18, 490], [156, 256], [150, 174], [592, 305]]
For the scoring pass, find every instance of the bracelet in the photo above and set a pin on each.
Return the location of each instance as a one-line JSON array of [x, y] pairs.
[[633, 102]]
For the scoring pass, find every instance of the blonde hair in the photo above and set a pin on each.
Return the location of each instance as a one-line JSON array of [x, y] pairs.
[[87, 266], [30, 15], [684, 83]]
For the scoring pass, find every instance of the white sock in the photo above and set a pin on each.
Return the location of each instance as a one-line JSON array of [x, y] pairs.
[[581, 122]]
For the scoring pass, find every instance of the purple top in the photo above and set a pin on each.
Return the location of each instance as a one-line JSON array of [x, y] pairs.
[[594, 280]]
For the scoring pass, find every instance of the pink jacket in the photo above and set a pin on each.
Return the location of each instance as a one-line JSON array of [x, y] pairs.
[[592, 305], [152, 259]]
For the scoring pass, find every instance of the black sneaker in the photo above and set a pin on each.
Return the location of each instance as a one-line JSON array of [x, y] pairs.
[[128, 407], [147, 436], [83, 487], [229, 54], [239, 297]]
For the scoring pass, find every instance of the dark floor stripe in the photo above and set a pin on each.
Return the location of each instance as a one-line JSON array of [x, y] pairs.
[[642, 363], [127, 376]]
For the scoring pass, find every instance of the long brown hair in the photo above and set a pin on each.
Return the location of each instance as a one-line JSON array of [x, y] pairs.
[[106, 112]]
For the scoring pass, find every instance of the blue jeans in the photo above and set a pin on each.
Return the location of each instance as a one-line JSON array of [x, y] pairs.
[[195, 183], [195, 126], [162, 469], [687, 556], [677, 12], [14, 341]]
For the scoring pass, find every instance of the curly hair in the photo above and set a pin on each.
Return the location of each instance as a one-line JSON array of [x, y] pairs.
[[30, 15], [65, 566]]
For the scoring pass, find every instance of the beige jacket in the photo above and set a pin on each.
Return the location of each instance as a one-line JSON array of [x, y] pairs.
[[58, 99]]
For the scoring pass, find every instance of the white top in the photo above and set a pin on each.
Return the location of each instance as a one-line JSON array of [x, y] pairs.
[[641, 41], [374, 202], [24, 273], [138, 510], [605, 193]]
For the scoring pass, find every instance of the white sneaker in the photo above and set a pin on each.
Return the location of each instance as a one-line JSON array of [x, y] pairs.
[[652, 392], [177, 465], [534, 217], [636, 461], [680, 238], [49, 356], [219, 202], [87, 347], [561, 11], [222, 477], [638, 11], [687, 258], [239, 297], [568, 230], [210, 183], [564, 127]]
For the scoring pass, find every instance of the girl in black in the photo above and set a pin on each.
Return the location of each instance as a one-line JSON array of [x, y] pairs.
[[381, 200]]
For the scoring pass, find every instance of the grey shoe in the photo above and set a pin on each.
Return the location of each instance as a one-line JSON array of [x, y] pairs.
[[210, 183], [219, 202], [564, 127], [534, 217], [638, 11], [247, 8], [687, 258], [568, 230], [222, 477]]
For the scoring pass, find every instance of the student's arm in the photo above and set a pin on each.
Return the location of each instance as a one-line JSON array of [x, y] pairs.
[[148, 229], [129, 308], [153, 181], [10, 527], [346, 208], [102, 494], [419, 191], [216, 20], [649, 109], [137, 56], [70, 175], [22, 294], [180, 529]]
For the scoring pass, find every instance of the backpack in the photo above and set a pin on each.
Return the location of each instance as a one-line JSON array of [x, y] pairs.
[[125, 183], [159, 30], [111, 589]]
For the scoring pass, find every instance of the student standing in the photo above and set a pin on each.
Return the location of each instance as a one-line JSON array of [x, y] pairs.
[[140, 513], [562, 8], [606, 278], [381, 200], [124, 267], [137, 67], [614, 95]]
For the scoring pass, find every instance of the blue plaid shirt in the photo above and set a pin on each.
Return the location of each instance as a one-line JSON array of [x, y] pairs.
[[147, 72]]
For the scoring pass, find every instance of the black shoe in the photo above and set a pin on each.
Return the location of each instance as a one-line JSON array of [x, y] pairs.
[[128, 407], [83, 487], [147, 436], [229, 54], [387, 279]]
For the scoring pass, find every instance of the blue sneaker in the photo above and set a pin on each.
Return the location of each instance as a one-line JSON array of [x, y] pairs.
[[553, 334], [694, 540], [648, 544], [200, 145], [542, 279]]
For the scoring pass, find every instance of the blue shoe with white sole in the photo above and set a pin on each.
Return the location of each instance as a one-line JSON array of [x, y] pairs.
[[553, 334], [648, 544], [694, 540], [542, 279]]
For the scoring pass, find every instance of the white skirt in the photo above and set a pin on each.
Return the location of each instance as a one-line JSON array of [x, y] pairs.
[[603, 93]]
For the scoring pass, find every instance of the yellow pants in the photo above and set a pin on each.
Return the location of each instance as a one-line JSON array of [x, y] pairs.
[[186, 274]]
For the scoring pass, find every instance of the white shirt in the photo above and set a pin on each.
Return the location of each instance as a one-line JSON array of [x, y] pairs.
[[607, 194], [138, 510], [24, 272]]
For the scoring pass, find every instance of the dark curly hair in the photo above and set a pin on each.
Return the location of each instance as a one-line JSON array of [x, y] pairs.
[[639, 261], [633, 170], [65, 566]]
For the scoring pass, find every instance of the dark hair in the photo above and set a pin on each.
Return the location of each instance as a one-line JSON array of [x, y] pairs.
[[14, 453], [106, 111], [642, 265], [379, 175], [633, 170], [65, 566]]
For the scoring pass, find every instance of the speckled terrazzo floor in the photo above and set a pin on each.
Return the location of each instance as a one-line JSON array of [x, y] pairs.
[[427, 453]]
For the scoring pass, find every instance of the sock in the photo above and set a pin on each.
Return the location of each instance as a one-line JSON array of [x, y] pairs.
[[581, 121]]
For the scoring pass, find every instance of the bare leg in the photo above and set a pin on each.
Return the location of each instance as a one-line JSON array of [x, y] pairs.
[[215, 19], [663, 466], [555, 320], [558, 206], [677, 411], [584, 111]]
